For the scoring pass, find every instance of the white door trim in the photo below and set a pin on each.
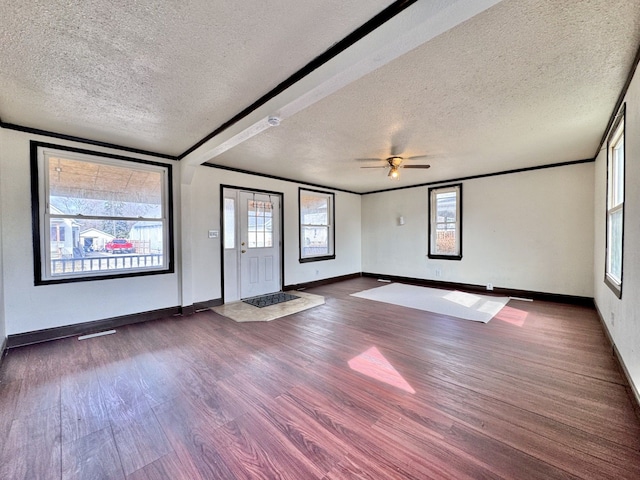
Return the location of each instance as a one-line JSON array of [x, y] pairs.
[[230, 257]]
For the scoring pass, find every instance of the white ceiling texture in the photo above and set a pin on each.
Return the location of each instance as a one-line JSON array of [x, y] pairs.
[[479, 86]]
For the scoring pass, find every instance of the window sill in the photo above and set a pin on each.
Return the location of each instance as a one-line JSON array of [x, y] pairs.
[[317, 259], [58, 280], [445, 257], [613, 286]]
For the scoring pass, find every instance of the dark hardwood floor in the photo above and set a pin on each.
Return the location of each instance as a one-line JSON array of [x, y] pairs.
[[350, 389]]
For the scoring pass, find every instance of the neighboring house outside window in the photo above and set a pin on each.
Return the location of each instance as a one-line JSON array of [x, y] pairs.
[[615, 207], [317, 232], [445, 222], [98, 216]]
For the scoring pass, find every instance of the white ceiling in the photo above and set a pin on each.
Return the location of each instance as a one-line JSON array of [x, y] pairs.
[[520, 84], [156, 75]]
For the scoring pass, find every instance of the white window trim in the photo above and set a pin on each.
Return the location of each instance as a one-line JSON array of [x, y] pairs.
[[42, 154], [330, 197], [433, 192], [617, 136]]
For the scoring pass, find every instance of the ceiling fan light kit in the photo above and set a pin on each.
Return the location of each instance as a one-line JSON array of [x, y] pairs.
[[394, 163]]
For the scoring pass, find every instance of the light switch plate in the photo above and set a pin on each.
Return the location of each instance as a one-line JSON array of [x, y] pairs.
[[213, 233]]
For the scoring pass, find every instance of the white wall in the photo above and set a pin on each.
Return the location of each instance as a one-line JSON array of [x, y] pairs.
[[3, 329], [197, 277], [205, 215], [28, 307], [529, 231], [622, 316]]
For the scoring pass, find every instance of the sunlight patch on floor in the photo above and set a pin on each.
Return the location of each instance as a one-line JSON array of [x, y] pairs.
[[512, 315], [373, 364], [462, 298]]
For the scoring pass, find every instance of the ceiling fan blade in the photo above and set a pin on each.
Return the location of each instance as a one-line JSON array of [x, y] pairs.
[[415, 166], [378, 166], [369, 159], [418, 157]]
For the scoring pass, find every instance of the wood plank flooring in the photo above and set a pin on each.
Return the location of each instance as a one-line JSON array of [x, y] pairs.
[[533, 394]]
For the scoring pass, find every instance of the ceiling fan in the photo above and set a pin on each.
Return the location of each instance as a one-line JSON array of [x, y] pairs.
[[395, 162]]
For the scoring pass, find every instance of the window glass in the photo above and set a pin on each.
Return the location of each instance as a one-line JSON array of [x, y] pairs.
[[615, 246], [445, 241], [229, 223], [615, 208], [81, 187], [260, 224], [444, 222], [618, 172]]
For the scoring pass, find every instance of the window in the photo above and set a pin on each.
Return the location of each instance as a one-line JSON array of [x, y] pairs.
[[445, 222], [615, 207], [98, 216], [229, 223], [317, 234]]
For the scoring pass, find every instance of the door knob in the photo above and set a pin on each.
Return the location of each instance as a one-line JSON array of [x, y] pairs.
[[243, 251], [242, 244]]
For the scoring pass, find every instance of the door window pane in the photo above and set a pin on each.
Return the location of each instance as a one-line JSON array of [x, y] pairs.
[[259, 224]]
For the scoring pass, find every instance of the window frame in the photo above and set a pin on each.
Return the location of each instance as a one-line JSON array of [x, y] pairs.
[[331, 236], [456, 187], [616, 135], [39, 201]]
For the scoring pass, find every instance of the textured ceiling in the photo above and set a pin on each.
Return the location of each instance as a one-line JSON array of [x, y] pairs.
[[156, 75], [524, 83]]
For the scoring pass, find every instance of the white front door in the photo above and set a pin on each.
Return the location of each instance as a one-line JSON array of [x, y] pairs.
[[259, 244]]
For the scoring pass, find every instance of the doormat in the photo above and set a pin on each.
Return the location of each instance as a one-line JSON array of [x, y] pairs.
[[271, 299], [243, 312]]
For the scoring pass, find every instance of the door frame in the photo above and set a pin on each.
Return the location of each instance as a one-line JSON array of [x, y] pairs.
[[281, 233]]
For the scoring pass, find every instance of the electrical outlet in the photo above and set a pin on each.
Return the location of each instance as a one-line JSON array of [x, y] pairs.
[[489, 286], [613, 319], [317, 272], [438, 272]]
